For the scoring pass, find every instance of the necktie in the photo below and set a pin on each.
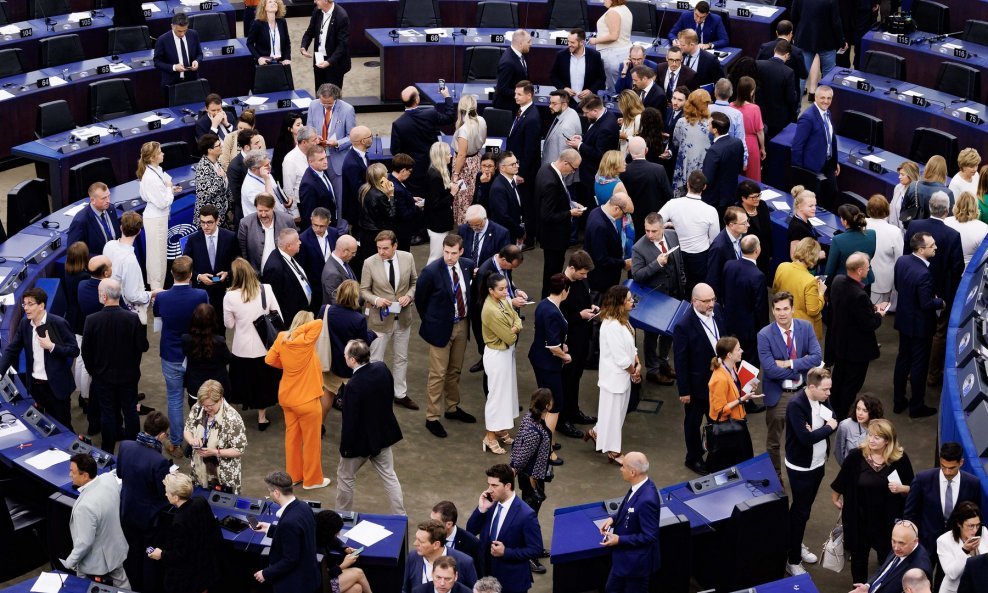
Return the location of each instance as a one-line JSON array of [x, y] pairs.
[[106, 226], [220, 132], [948, 500], [515, 123], [641, 95], [830, 130], [476, 246], [325, 247], [514, 186], [699, 31], [211, 247], [691, 62], [878, 582], [672, 85], [662, 246], [461, 307], [301, 274], [325, 123], [391, 274], [349, 272], [524, 64], [737, 249], [790, 346], [497, 515], [185, 53]]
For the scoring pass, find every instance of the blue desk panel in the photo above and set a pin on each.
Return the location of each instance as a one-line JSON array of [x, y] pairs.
[[70, 584], [798, 584], [655, 311]]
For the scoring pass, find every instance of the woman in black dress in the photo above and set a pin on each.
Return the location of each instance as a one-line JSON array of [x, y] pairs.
[[759, 221], [440, 190], [377, 212], [338, 557], [205, 352], [549, 351], [189, 548], [800, 227]]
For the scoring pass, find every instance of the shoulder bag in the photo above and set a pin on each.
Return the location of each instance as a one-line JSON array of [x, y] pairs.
[[833, 549], [269, 324]]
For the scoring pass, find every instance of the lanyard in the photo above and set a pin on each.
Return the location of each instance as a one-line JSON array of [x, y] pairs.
[[713, 332]]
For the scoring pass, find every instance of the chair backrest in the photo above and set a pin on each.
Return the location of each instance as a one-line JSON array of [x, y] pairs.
[[177, 154], [480, 63], [928, 142], [960, 80], [419, 13], [111, 98], [54, 117], [497, 14], [185, 93], [931, 17], [11, 62], [855, 199], [811, 180], [83, 175], [976, 31], [211, 26], [121, 40], [27, 202], [39, 9], [4, 15], [882, 63], [725, 17], [862, 127], [61, 49], [498, 121], [273, 78], [643, 17], [567, 14]]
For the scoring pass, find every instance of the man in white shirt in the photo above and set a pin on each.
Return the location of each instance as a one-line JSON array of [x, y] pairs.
[[295, 163], [126, 268], [696, 225]]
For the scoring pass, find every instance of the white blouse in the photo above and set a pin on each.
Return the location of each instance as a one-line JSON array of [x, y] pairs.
[[953, 557], [972, 234], [888, 248], [624, 33], [617, 353], [157, 192], [240, 316]]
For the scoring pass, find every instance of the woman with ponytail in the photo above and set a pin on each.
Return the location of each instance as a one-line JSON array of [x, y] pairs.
[[857, 237]]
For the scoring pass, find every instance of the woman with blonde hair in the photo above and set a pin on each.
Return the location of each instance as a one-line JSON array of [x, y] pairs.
[[967, 176], [727, 403], [608, 178], [908, 173], [916, 200], [468, 140], [806, 289], [159, 193], [299, 394], [691, 138], [377, 209], [965, 221], [501, 326], [800, 227], [613, 38], [218, 438], [267, 38], [631, 107], [439, 194], [888, 249]]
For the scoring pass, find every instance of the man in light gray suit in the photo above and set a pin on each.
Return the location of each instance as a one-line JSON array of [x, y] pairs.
[[332, 118], [258, 232], [337, 268], [564, 126], [657, 263], [99, 547]]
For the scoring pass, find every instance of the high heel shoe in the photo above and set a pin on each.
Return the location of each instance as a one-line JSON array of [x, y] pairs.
[[493, 446], [590, 434], [505, 437], [262, 426], [617, 458]]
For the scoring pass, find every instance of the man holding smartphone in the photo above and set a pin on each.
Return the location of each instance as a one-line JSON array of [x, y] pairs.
[[634, 531]]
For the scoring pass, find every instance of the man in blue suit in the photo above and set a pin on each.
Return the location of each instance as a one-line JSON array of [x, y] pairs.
[[177, 53], [97, 224], [582, 61], [907, 554], [316, 189], [722, 164], [636, 57], [49, 379], [512, 68], [509, 532], [428, 547], [524, 140], [709, 27], [726, 247], [916, 320], [504, 200], [787, 350], [602, 135], [212, 250], [444, 578], [744, 300], [292, 565], [606, 245], [814, 147], [354, 176], [482, 238], [634, 531], [318, 242], [332, 118]]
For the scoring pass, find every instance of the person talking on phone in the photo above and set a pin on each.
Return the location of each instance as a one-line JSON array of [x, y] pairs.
[[292, 565], [633, 532], [967, 538]]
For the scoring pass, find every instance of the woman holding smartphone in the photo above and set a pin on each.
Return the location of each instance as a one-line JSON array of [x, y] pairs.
[[343, 576], [967, 538]]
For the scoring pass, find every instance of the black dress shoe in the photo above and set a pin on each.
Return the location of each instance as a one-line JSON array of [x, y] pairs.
[[923, 412], [557, 461], [753, 407], [144, 410], [436, 428], [459, 414], [567, 429], [478, 366], [698, 467], [536, 567], [900, 408], [262, 426], [556, 446], [406, 402], [581, 418], [141, 395]]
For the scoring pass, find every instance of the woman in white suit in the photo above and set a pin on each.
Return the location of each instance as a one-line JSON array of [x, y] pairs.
[[965, 539], [888, 248], [619, 367], [158, 192]]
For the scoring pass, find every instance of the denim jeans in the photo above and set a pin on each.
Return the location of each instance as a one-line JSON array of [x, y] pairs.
[[174, 373], [828, 61]]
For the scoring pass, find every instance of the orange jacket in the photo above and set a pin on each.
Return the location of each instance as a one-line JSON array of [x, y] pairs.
[[295, 354], [723, 390]]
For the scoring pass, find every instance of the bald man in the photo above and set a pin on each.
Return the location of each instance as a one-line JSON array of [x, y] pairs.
[[610, 250], [907, 554], [557, 212], [511, 69], [415, 130], [338, 268], [647, 183], [354, 175], [633, 532]]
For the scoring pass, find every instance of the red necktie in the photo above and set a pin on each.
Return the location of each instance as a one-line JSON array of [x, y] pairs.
[[325, 123], [790, 346], [461, 308]]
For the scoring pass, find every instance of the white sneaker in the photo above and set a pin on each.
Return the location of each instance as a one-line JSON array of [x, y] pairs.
[[325, 482], [807, 556], [795, 569]]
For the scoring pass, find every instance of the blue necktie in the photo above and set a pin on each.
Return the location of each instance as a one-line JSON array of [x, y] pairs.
[[497, 515], [881, 578], [830, 130], [106, 226]]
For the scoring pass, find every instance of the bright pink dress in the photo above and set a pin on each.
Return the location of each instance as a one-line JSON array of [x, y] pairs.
[[752, 115]]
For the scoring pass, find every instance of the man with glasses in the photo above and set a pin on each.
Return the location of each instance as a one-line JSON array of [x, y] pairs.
[[673, 74], [212, 250], [504, 200], [315, 189], [557, 212], [726, 247], [709, 27], [214, 120], [907, 553], [318, 242], [332, 119], [636, 57], [98, 224], [564, 125]]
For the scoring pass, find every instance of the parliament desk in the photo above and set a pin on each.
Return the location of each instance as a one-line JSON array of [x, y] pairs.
[[413, 58], [27, 35], [21, 93], [797, 584], [923, 56], [69, 584], [655, 311], [18, 10], [55, 155], [943, 112]]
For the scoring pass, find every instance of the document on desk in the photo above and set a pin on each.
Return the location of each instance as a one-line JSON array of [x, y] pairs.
[[768, 194], [816, 221], [150, 6], [436, 31], [784, 206], [255, 100], [367, 533], [872, 158], [48, 582], [119, 67], [48, 458], [13, 428], [912, 93], [4, 95], [75, 17], [71, 212], [10, 30], [56, 81], [493, 142], [302, 102]]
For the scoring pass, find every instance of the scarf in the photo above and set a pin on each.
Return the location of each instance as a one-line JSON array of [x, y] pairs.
[[149, 441]]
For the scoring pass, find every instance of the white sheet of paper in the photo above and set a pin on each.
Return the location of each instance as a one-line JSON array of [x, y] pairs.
[[157, 325], [16, 427], [56, 81], [784, 206], [10, 30], [367, 533], [191, 3], [488, 89], [496, 142], [48, 582], [150, 118], [894, 477], [912, 93], [816, 221], [151, 7], [967, 110], [826, 413], [302, 102], [762, 10], [768, 194], [71, 212], [951, 45], [75, 17], [256, 100], [558, 34], [395, 307], [119, 67], [873, 159], [437, 31], [4, 95], [854, 78], [48, 458], [167, 120]]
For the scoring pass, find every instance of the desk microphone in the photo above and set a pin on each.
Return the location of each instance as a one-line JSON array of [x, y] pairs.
[[764, 482], [112, 129]]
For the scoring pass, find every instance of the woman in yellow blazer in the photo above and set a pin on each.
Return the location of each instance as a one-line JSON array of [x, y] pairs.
[[298, 394], [806, 289], [727, 403], [500, 327]]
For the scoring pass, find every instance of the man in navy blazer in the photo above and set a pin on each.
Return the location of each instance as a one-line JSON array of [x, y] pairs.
[[705, 64], [722, 164], [778, 96], [644, 83], [636, 57], [633, 532], [457, 538], [428, 546], [177, 53], [50, 381], [97, 224], [784, 30], [288, 280], [292, 565], [605, 243], [726, 247], [212, 250], [482, 238], [509, 532], [693, 340], [415, 131], [504, 199], [591, 64], [444, 578], [814, 147], [927, 504], [355, 165], [318, 242], [525, 141], [316, 190], [916, 320], [709, 27], [744, 298], [907, 553], [512, 68], [601, 135]]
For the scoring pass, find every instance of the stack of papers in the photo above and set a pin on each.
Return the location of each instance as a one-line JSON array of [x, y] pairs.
[[48, 582], [367, 533], [10, 30], [151, 7], [302, 102], [46, 459], [15, 427]]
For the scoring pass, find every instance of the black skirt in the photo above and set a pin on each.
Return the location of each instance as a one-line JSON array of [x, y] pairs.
[[253, 383]]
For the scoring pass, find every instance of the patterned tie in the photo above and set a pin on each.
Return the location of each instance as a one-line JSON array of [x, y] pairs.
[[301, 275], [325, 123], [461, 307], [830, 130], [790, 346], [104, 222], [476, 246], [671, 86], [497, 515]]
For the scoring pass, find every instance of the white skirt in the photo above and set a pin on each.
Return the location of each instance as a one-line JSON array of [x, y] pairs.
[[156, 242], [502, 383], [611, 410], [613, 59]]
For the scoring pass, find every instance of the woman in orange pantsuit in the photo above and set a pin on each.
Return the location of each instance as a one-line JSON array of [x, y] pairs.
[[298, 394]]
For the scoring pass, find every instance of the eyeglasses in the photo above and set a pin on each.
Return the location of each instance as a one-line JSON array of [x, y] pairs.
[[514, 164], [26, 304], [908, 524], [674, 60], [207, 222], [744, 223]]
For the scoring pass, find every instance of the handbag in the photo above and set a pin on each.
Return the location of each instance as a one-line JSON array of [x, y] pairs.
[[910, 209], [268, 324], [324, 349], [833, 548]]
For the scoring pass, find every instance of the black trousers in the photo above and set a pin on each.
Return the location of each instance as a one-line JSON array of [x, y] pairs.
[[572, 375], [913, 360], [803, 486], [553, 263], [696, 411], [616, 584], [116, 401], [329, 75], [657, 359], [695, 265], [59, 409], [532, 494], [849, 377], [861, 552]]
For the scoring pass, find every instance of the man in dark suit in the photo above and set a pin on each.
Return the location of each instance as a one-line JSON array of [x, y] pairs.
[[445, 573], [504, 199], [509, 532], [583, 62], [354, 176], [974, 579], [369, 427], [49, 348], [693, 340], [317, 244], [286, 276], [236, 172], [415, 131], [606, 244], [636, 57], [97, 224], [557, 212], [331, 53], [524, 140], [672, 74], [214, 120], [778, 88], [705, 64], [783, 30], [427, 547], [709, 27], [726, 247], [177, 53], [744, 301], [907, 553], [511, 69], [646, 183], [915, 319], [442, 293], [337, 268], [602, 135], [722, 164], [212, 250], [853, 323], [457, 538], [100, 268], [292, 565], [316, 190], [814, 147], [650, 93], [819, 31], [633, 532], [935, 493], [482, 238]]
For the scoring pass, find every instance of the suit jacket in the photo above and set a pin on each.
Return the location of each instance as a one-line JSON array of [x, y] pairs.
[[692, 351], [853, 321], [142, 495], [435, 301], [467, 543], [86, 227], [291, 296], [923, 506], [720, 252], [712, 31], [58, 361], [337, 48], [637, 526], [555, 219], [648, 185], [236, 172], [522, 538], [624, 82], [166, 57], [227, 250], [685, 77], [601, 136], [250, 236], [292, 565], [524, 140], [259, 40], [414, 132], [708, 68], [563, 126], [458, 587], [772, 347], [745, 301], [369, 423], [778, 98], [510, 71], [799, 439], [892, 583], [313, 193], [915, 313], [204, 126], [603, 243], [98, 543], [495, 237], [310, 257], [505, 207], [594, 78], [645, 268], [975, 575], [374, 283], [342, 119], [174, 307], [466, 572], [655, 97], [947, 265], [333, 274], [354, 176], [795, 63], [817, 24], [113, 342], [809, 145], [722, 164]]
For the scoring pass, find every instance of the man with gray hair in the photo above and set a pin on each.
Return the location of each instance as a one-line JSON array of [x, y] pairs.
[[511, 69], [332, 118], [258, 180], [646, 182], [369, 428], [558, 210], [487, 585], [722, 97], [286, 276], [633, 532], [482, 237], [295, 162]]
